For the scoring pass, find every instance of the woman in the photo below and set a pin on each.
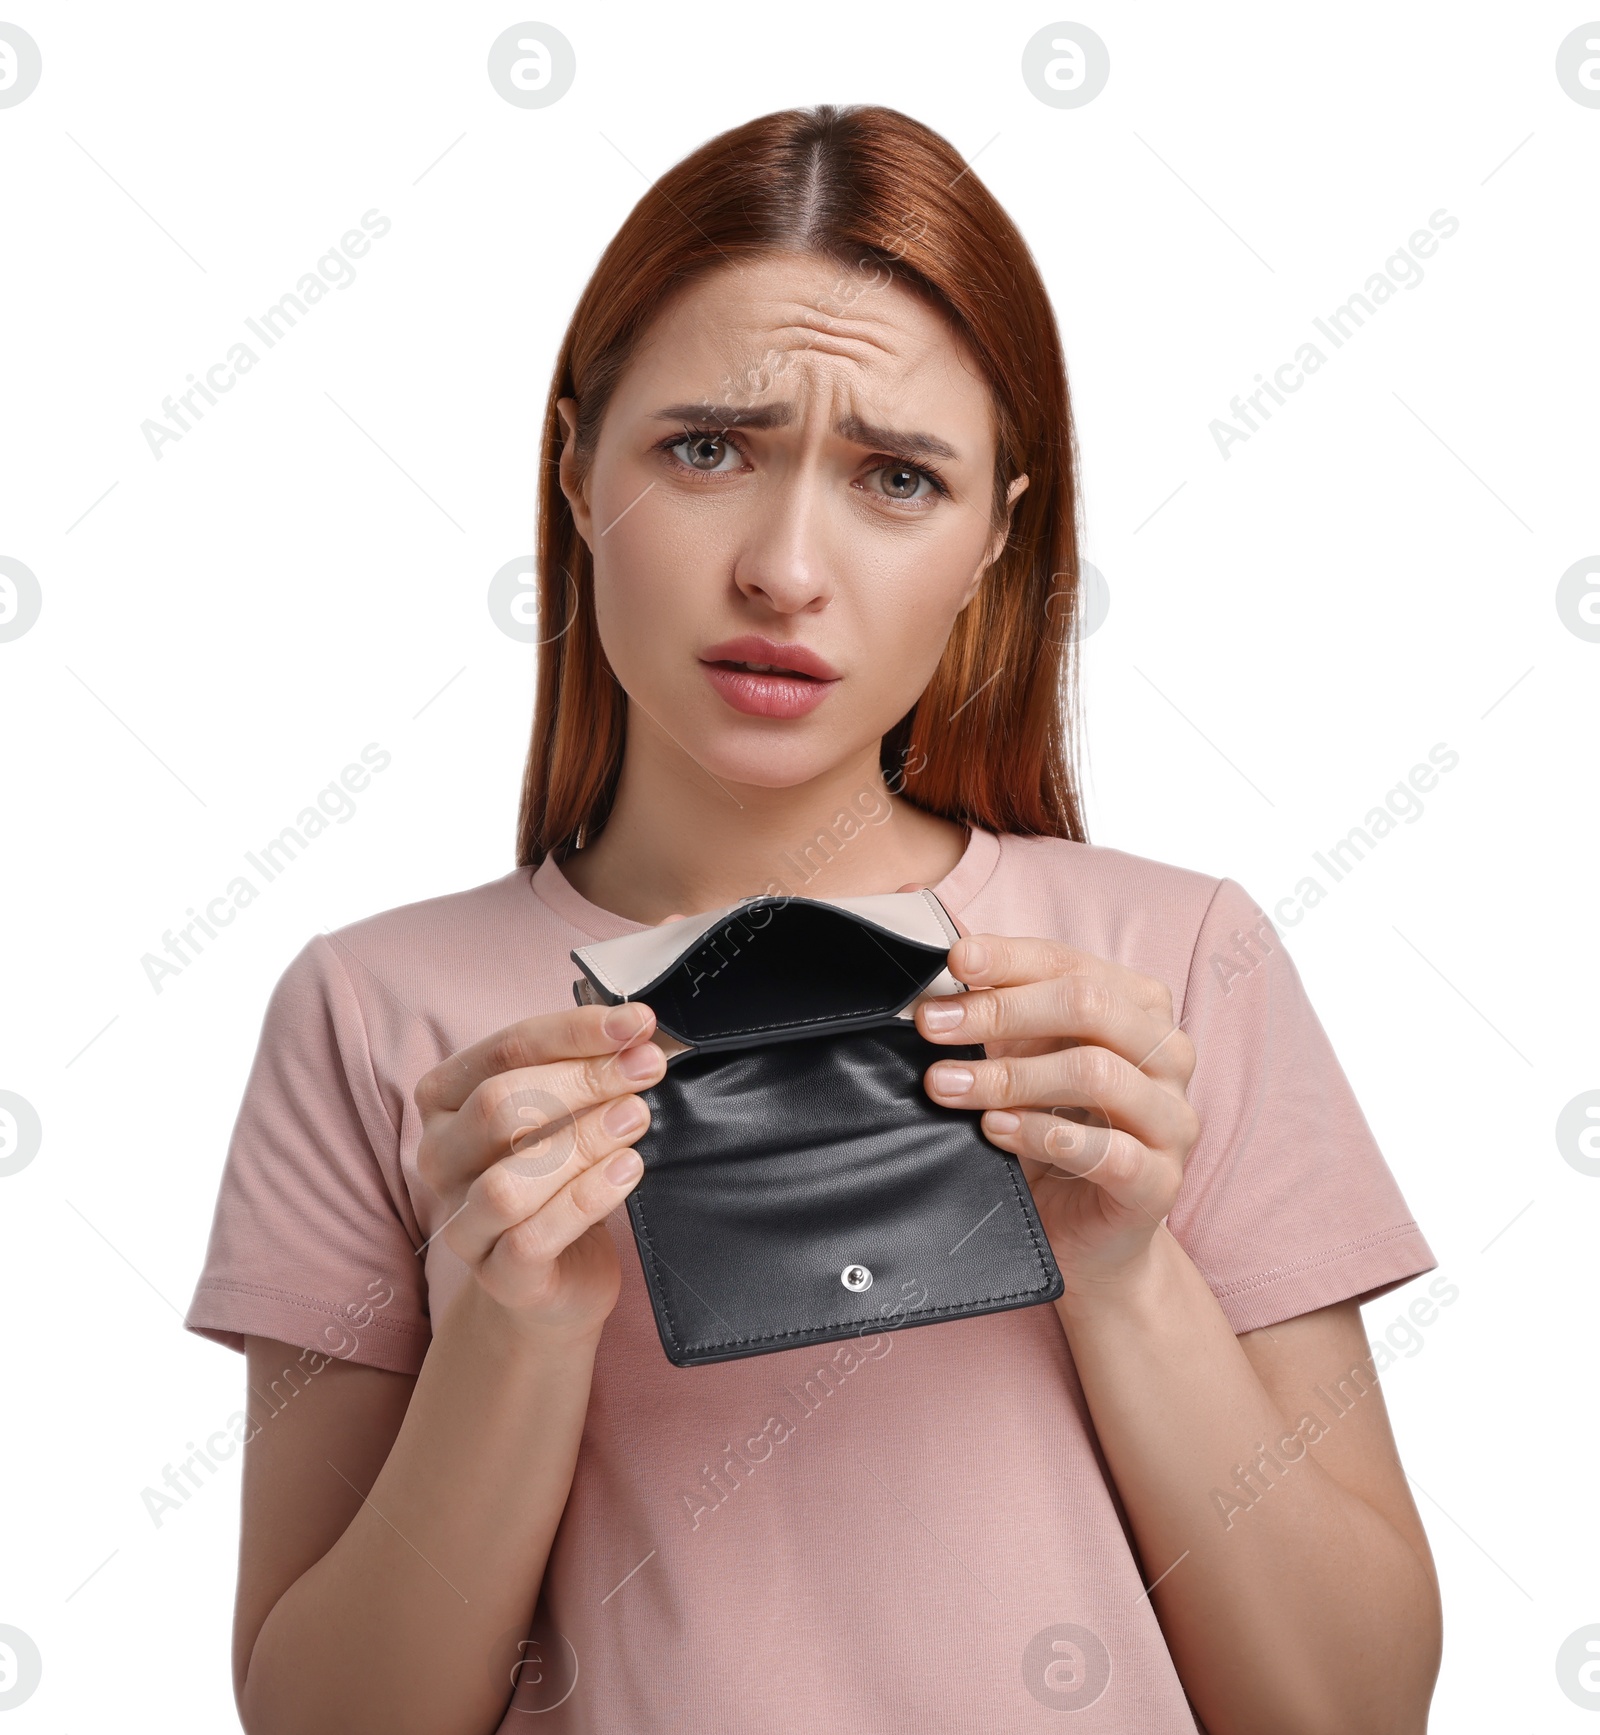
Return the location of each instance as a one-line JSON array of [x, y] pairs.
[[808, 568]]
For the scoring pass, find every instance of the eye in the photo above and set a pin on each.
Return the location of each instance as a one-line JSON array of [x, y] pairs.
[[703, 450], [901, 481]]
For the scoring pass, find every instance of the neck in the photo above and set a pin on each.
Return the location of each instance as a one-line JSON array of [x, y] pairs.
[[678, 840]]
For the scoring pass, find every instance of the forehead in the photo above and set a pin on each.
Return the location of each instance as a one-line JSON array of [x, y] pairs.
[[796, 326]]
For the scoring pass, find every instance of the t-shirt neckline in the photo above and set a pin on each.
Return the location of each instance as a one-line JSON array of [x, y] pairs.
[[954, 891]]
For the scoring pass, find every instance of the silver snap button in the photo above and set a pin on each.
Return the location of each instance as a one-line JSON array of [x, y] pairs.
[[856, 1277]]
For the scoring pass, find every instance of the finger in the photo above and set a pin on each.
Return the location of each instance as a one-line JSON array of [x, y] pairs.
[[1081, 1008], [522, 1184], [998, 960], [1088, 1077], [1128, 1172], [510, 1109], [584, 1030], [586, 1199]]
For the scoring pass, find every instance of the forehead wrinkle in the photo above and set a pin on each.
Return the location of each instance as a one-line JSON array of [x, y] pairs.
[[877, 333], [764, 389], [842, 346], [796, 312]]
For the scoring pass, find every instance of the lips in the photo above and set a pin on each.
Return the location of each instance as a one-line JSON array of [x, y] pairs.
[[751, 650], [760, 678]]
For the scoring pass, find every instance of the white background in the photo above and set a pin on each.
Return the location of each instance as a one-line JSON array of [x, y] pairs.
[[1291, 629]]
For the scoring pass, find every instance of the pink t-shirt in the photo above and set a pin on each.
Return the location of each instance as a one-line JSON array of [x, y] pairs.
[[925, 1537]]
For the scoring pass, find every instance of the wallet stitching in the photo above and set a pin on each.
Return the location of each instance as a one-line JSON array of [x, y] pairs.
[[653, 1276], [658, 1289], [943, 915]]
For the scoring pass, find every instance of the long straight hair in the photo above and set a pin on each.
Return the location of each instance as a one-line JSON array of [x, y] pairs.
[[992, 740]]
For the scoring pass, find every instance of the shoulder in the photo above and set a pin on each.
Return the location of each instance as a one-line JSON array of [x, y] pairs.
[[450, 919], [1150, 915], [439, 971]]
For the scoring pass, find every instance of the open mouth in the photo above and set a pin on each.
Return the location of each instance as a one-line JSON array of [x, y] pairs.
[[763, 669]]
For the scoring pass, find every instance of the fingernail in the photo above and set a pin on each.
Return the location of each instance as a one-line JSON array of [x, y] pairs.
[[952, 1080], [624, 1167], [623, 1115], [623, 1021], [1002, 1120], [640, 1062], [943, 1014], [974, 956]]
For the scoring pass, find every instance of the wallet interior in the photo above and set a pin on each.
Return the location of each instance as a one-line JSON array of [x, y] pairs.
[[773, 968]]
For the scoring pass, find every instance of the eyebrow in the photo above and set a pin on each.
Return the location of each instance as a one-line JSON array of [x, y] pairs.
[[852, 428]]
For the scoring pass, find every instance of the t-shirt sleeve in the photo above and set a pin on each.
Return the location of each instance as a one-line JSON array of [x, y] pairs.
[[1286, 1203], [313, 1240]]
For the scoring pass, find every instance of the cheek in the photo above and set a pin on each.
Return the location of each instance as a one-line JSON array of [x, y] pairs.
[[652, 579], [905, 617]]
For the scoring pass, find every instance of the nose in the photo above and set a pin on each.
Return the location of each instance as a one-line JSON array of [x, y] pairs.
[[784, 561]]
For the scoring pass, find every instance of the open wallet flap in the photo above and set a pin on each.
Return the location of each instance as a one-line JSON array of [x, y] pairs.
[[800, 1184], [769, 967]]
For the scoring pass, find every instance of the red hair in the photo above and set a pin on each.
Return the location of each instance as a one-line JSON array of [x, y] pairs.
[[992, 740]]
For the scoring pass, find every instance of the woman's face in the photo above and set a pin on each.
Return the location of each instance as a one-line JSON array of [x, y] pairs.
[[796, 469]]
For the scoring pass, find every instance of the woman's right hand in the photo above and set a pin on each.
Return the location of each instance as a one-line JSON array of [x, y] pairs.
[[527, 1139]]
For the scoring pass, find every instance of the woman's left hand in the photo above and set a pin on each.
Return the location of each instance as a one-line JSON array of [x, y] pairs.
[[1084, 1082]]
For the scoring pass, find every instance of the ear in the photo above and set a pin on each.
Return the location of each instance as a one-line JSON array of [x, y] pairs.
[[567, 470], [997, 542]]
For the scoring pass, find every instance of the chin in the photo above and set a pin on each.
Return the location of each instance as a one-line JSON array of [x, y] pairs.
[[777, 758]]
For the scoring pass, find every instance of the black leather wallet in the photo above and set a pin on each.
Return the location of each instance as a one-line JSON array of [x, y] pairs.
[[799, 1184]]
